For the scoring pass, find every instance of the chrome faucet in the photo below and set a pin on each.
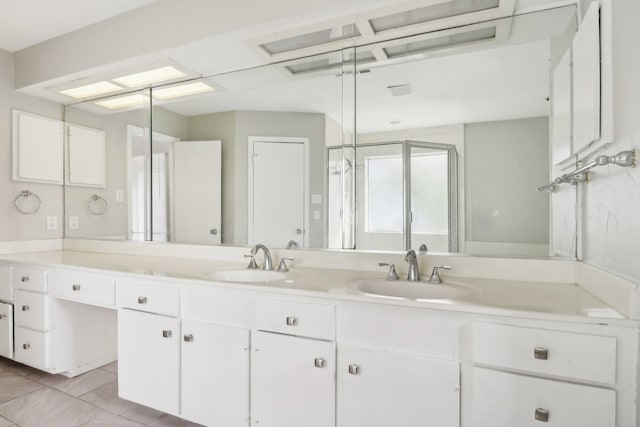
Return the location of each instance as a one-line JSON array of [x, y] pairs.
[[435, 275], [268, 263], [414, 271]]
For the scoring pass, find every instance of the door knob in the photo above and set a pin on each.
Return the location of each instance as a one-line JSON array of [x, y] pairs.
[[213, 231]]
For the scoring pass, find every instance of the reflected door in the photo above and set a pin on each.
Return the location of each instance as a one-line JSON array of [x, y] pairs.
[[277, 189], [197, 191]]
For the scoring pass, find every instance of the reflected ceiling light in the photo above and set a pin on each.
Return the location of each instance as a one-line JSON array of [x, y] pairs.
[[93, 89], [123, 102], [182, 90], [156, 75]]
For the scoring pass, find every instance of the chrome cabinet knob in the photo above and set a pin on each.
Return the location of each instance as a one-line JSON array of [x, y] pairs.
[[26, 346], [541, 353], [142, 300], [75, 287], [292, 321], [26, 308], [354, 369], [541, 415], [319, 362], [188, 338], [213, 231], [3, 316], [24, 279], [167, 334], [298, 230]]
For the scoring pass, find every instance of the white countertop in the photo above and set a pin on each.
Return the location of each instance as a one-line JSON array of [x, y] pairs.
[[493, 296]]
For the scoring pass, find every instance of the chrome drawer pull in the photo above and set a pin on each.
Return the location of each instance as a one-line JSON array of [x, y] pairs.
[[142, 300], [292, 321], [542, 415], [24, 279], [75, 287], [26, 308], [188, 338], [354, 369], [541, 353], [319, 362], [26, 346], [167, 334]]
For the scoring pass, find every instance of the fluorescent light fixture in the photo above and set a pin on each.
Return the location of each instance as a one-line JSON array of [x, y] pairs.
[[122, 102], [311, 39], [93, 89], [152, 76], [182, 90]]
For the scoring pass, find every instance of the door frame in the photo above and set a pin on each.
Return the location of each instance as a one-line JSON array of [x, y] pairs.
[[305, 209]]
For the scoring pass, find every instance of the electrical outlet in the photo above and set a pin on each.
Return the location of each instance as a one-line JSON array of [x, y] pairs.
[[74, 223], [119, 196], [52, 223], [316, 199], [316, 215]]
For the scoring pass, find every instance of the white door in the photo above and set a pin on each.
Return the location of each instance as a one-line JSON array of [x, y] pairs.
[[6, 330], [277, 191], [292, 381], [382, 389], [197, 192], [149, 360], [215, 374]]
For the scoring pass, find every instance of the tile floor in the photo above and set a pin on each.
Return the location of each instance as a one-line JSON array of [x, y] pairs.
[[32, 398]]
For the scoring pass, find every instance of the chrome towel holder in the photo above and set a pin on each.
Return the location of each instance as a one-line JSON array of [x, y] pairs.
[[97, 205], [625, 159], [26, 195]]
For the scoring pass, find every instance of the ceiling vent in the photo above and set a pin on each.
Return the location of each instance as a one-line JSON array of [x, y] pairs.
[[400, 90]]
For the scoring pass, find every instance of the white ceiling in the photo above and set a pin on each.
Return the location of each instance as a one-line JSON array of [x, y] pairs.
[[24, 23]]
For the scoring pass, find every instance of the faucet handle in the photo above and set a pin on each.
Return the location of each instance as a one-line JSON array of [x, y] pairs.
[[435, 274], [282, 267], [393, 274], [252, 264]]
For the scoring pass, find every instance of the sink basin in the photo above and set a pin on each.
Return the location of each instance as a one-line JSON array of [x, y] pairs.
[[247, 276], [403, 289]]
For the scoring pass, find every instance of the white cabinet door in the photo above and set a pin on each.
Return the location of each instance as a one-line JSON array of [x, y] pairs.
[[292, 381], [6, 330], [215, 374], [149, 360], [379, 388]]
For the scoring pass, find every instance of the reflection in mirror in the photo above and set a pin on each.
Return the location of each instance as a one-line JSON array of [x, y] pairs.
[[113, 206], [483, 91]]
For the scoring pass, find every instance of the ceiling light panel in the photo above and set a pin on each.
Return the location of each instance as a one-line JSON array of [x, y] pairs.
[[440, 42], [311, 39], [156, 75], [123, 102], [362, 57], [91, 90], [182, 90], [431, 13]]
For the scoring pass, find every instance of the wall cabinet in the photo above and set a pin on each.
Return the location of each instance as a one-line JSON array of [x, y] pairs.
[[379, 388], [292, 381], [215, 374], [149, 360]]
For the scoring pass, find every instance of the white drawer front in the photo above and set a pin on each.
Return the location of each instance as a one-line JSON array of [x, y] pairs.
[[501, 399], [295, 318], [6, 330], [31, 310], [30, 279], [6, 290], [564, 354], [83, 287], [148, 297], [33, 348]]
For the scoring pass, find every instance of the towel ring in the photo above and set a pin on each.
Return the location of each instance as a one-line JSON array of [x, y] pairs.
[[96, 205], [27, 195]]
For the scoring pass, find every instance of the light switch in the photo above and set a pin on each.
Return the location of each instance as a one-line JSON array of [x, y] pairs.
[[52, 223], [119, 196], [74, 223], [316, 199]]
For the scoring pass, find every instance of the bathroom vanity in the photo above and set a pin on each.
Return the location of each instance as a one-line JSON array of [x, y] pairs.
[[312, 348]]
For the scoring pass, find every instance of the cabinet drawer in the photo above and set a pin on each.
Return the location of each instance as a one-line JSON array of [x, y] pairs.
[[83, 287], [30, 279], [6, 290], [152, 298], [33, 348], [563, 354], [501, 399], [296, 318], [31, 310]]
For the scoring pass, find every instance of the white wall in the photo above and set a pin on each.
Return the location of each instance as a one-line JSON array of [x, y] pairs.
[[14, 225], [610, 202]]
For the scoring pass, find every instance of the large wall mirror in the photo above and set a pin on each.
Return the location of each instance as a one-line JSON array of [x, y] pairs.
[[434, 142]]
